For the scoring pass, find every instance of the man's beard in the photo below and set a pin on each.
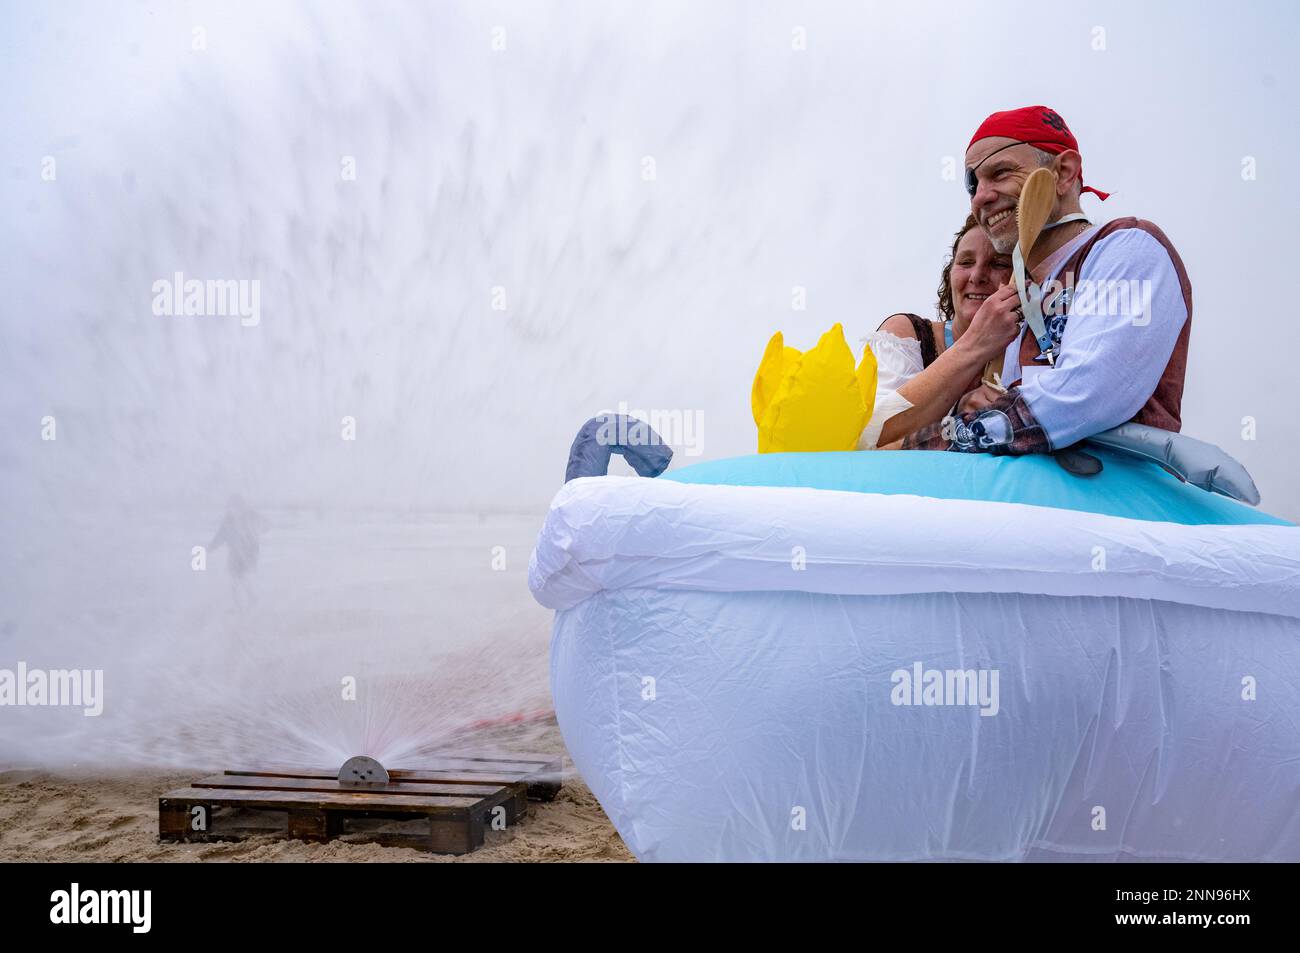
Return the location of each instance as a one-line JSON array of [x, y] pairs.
[[1003, 246]]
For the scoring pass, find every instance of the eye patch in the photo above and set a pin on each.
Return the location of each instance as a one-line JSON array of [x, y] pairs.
[[972, 183]]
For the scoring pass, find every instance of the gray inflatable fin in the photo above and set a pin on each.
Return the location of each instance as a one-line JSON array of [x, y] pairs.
[[1199, 463]]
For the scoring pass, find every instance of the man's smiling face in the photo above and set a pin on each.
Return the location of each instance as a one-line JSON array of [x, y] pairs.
[[997, 167]]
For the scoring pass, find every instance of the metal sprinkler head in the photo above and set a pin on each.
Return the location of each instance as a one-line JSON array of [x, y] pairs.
[[362, 770]]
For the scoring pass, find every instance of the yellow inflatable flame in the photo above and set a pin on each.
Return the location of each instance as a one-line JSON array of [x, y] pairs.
[[812, 400]]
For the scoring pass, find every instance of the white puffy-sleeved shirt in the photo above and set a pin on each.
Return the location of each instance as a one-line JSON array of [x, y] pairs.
[[898, 360], [1108, 363]]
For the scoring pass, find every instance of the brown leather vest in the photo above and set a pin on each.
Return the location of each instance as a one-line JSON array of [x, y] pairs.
[[1164, 407]]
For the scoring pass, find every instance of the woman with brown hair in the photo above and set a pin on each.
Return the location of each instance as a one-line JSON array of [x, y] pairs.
[[923, 366]]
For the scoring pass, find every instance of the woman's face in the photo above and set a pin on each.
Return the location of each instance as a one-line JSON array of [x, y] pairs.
[[977, 271]]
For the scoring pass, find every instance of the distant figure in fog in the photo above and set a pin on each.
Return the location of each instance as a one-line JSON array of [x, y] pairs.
[[240, 529]]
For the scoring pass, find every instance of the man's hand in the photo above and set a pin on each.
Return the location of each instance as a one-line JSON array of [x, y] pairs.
[[978, 399], [995, 325]]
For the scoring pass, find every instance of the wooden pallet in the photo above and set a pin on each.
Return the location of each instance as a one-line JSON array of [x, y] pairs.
[[445, 807], [541, 772]]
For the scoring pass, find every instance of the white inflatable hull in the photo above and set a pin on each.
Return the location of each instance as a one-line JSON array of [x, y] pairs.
[[773, 673], [768, 731]]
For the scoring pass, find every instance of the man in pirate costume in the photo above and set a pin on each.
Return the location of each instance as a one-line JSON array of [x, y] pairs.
[[1105, 341]]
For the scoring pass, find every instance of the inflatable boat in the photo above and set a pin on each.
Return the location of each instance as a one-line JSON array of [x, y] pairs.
[[919, 656]]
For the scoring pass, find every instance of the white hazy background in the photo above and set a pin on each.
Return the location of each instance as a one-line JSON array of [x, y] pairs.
[[519, 168]]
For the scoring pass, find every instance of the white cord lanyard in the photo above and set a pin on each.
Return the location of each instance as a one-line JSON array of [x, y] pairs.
[[1031, 293]]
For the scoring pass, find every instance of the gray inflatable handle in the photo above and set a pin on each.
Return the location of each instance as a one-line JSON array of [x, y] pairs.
[[1199, 463]]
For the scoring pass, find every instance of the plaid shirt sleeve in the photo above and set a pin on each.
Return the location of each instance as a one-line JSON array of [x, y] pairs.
[[1004, 427]]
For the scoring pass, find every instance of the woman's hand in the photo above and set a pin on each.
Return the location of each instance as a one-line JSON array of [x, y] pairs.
[[958, 369], [995, 324]]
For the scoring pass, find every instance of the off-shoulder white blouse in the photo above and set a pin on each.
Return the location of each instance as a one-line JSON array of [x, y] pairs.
[[898, 360]]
